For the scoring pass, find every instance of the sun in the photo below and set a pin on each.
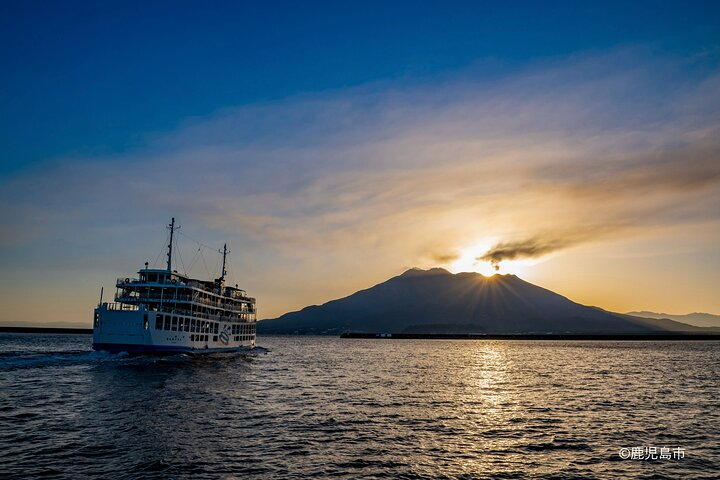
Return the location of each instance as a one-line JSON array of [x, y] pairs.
[[467, 261]]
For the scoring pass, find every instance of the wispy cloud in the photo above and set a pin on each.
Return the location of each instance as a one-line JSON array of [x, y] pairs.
[[374, 178], [627, 195]]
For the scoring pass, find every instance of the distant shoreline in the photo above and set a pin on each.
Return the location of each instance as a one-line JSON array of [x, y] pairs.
[[59, 330], [549, 336], [432, 336]]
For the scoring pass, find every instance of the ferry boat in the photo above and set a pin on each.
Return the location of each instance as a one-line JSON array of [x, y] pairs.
[[163, 311]]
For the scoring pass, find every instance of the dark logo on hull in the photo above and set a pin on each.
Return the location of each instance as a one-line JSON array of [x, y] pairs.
[[225, 335]]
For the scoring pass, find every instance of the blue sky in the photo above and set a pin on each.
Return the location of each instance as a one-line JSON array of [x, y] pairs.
[[333, 144], [99, 77]]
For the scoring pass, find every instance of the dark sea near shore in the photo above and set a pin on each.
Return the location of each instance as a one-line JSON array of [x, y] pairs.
[[314, 407]]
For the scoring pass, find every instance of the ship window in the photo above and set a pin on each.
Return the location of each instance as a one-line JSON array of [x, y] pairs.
[[146, 324], [192, 338], [215, 327], [166, 322], [158, 322], [174, 324], [187, 324], [152, 278], [192, 325], [215, 338]]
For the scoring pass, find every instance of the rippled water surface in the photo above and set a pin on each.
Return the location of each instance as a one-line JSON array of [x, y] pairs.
[[326, 407]]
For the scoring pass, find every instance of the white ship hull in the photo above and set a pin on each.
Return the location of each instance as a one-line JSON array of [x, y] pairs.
[[143, 331]]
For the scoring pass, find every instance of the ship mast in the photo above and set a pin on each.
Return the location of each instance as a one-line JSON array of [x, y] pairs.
[[222, 275], [169, 254]]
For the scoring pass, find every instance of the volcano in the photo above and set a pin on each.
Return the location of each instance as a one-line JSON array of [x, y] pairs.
[[436, 301]]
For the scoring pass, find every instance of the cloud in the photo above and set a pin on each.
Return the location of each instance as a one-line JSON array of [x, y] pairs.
[[444, 258], [527, 248], [543, 244], [590, 149], [630, 194]]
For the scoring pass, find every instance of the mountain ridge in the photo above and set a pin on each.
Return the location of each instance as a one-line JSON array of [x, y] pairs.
[[698, 319], [438, 301]]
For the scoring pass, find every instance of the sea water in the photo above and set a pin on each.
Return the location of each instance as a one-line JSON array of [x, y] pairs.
[[313, 407]]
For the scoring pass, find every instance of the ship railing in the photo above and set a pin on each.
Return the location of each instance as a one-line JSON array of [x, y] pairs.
[[248, 317], [142, 298], [132, 281], [195, 297], [180, 298], [120, 306], [235, 295], [135, 281], [217, 303]]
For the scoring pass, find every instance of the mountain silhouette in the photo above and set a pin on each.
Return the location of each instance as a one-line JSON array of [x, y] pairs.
[[437, 301], [697, 318]]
